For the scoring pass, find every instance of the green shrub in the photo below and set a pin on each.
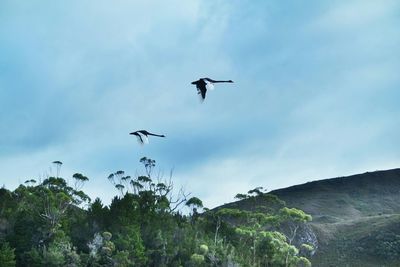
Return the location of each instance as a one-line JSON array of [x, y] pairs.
[[7, 256]]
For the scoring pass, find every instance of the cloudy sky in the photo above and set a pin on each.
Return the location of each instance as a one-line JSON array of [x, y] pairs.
[[316, 92]]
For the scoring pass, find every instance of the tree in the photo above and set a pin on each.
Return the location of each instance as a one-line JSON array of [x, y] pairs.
[[41, 214], [250, 230], [293, 218], [7, 256], [194, 203], [129, 240], [80, 180], [144, 226], [255, 239], [58, 166], [149, 164], [97, 216], [58, 252], [56, 197]]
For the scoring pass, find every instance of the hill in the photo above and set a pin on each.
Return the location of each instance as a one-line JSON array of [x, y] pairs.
[[343, 198], [356, 219]]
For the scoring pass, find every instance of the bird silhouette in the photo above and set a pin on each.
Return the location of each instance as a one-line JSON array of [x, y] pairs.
[[204, 84], [143, 136]]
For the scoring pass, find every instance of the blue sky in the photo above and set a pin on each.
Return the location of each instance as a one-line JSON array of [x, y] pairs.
[[315, 95]]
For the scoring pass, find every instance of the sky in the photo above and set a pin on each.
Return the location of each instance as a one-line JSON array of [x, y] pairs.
[[315, 93]]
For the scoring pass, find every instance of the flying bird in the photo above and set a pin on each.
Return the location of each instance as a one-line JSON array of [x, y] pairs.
[[204, 84], [143, 136]]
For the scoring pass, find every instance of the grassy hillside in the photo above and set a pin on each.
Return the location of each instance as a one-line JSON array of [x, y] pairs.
[[344, 198], [367, 241], [356, 219]]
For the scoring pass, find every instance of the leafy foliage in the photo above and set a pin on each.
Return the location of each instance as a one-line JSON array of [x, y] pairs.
[[144, 225], [7, 256]]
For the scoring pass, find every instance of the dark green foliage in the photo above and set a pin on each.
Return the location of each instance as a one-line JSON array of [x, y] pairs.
[[59, 252], [258, 246], [195, 202], [97, 216], [129, 241], [7, 256], [46, 225]]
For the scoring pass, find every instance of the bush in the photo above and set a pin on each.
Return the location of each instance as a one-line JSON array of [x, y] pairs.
[[197, 259], [7, 256], [203, 249]]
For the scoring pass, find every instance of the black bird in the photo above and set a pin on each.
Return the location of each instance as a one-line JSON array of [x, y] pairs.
[[143, 136], [204, 84]]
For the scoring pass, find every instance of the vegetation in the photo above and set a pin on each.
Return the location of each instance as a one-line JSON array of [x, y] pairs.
[[53, 223], [355, 219]]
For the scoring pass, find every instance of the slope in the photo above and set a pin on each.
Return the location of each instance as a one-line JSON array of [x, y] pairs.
[[356, 219]]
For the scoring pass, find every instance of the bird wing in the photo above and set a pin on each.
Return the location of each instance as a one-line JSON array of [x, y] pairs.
[[201, 88], [143, 132], [139, 139], [145, 139], [202, 93], [209, 85]]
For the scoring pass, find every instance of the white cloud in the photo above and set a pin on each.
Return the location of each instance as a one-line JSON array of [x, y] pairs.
[[352, 15], [307, 103]]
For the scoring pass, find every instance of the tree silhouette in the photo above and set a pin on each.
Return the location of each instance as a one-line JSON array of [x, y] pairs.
[[58, 166]]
